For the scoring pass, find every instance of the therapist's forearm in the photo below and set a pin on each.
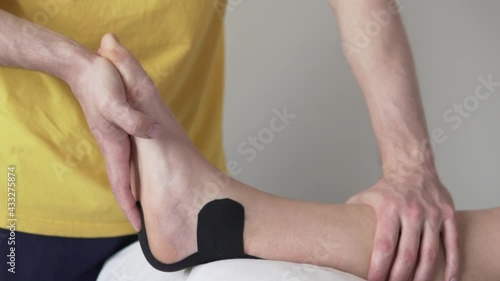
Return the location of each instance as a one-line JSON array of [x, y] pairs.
[[24, 44], [384, 68]]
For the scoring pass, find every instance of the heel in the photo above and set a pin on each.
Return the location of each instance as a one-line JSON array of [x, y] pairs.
[[219, 236]]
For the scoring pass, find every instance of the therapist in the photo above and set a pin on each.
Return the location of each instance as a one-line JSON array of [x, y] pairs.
[[62, 106]]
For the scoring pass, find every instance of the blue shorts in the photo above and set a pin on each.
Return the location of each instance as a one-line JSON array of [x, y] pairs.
[[49, 258]]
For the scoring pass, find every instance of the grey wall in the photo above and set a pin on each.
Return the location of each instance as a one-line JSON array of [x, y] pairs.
[[286, 53]]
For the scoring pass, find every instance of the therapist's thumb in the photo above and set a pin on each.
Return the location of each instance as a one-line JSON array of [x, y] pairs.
[[134, 122]]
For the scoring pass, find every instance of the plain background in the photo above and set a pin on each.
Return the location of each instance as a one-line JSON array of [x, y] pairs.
[[287, 53]]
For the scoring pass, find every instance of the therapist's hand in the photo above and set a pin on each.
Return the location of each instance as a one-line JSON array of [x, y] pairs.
[[111, 117], [412, 212]]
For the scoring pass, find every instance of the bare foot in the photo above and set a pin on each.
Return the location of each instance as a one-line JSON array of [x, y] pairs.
[[170, 176]]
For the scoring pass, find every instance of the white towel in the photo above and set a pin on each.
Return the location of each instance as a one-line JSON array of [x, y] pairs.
[[130, 265]]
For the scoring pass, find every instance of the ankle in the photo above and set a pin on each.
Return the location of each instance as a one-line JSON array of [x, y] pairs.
[[210, 184], [172, 230]]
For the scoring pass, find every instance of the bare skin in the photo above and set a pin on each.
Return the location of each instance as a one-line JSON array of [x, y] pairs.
[[173, 181], [412, 206], [96, 85], [408, 199]]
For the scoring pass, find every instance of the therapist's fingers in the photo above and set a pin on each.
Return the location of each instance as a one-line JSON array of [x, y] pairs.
[[119, 176], [132, 121], [116, 152], [407, 250], [385, 241], [450, 237], [429, 251]]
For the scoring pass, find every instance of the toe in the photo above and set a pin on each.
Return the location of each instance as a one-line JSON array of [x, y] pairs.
[[135, 79]]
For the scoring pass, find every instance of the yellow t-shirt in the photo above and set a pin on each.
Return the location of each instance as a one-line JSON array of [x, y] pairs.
[[61, 183]]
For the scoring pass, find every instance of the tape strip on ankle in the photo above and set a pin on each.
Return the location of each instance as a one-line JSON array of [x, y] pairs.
[[219, 236]]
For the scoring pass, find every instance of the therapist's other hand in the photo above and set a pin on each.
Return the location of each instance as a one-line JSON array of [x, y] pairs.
[[111, 117], [412, 212]]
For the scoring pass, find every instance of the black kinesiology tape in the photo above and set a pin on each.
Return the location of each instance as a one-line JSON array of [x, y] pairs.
[[219, 236]]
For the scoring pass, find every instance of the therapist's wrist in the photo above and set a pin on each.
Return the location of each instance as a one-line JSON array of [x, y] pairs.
[[75, 61], [410, 162]]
